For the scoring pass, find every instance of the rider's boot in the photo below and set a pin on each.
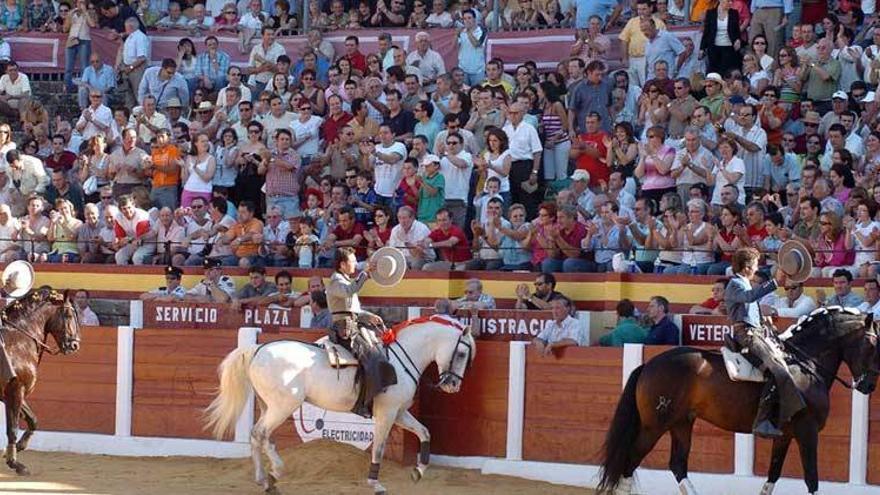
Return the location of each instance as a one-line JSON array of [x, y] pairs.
[[767, 405]]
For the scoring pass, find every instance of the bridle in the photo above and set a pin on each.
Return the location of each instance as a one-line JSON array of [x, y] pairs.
[[814, 368], [413, 371], [42, 345]]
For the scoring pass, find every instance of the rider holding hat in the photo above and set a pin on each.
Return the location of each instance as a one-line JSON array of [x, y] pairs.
[[744, 311], [346, 330]]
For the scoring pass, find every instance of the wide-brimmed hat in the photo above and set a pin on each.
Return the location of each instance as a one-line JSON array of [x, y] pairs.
[[205, 106], [795, 261], [21, 274], [174, 102], [390, 266]]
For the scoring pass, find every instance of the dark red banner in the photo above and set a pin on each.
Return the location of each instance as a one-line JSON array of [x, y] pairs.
[[209, 316], [709, 330]]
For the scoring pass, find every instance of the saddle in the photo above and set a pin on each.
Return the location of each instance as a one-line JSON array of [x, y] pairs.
[[337, 355], [740, 366]]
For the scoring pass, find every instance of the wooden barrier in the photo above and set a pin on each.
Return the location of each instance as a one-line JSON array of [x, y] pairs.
[[711, 447], [473, 421], [587, 380], [175, 378], [874, 439], [77, 392], [211, 316]]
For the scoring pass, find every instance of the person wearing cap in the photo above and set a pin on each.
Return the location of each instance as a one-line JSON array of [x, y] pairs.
[[215, 287], [821, 76], [348, 327], [748, 331], [172, 291], [431, 189], [164, 83], [713, 85], [839, 105]]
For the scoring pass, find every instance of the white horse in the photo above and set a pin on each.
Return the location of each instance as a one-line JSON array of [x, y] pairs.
[[285, 373]]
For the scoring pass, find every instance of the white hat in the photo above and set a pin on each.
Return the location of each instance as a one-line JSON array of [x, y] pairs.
[[173, 102], [580, 174], [22, 275], [428, 159], [714, 77], [205, 106], [839, 95], [390, 266], [869, 97]]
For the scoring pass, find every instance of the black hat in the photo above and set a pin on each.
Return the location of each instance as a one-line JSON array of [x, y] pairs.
[[173, 271], [211, 263]]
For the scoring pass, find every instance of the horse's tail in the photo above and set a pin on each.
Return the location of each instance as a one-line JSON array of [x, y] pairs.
[[235, 385], [621, 436]]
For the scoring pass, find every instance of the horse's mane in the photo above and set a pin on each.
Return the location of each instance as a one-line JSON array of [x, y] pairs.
[[28, 303], [390, 334], [825, 324]]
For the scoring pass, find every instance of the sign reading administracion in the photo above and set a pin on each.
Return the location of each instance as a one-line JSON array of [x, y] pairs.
[[506, 324], [210, 315]]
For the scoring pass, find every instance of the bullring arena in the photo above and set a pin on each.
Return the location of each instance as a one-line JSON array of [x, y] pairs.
[[123, 415]]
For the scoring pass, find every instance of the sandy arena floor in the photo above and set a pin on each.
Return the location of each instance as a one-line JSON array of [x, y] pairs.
[[315, 468]]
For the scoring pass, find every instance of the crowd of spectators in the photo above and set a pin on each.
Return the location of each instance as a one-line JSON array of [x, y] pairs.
[[757, 126]]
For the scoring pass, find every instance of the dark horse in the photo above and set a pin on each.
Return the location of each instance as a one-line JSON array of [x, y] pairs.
[[29, 321], [669, 392]]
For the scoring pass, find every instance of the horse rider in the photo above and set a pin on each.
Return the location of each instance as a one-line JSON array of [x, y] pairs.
[[11, 286], [780, 392], [348, 329]]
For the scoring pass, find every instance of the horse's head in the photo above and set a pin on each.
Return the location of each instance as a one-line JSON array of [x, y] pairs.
[[860, 352], [63, 324], [453, 359]]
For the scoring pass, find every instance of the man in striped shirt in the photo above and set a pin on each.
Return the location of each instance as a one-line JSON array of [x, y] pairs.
[[283, 176]]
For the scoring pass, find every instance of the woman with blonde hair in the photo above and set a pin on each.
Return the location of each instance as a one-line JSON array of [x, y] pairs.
[[63, 226], [831, 251]]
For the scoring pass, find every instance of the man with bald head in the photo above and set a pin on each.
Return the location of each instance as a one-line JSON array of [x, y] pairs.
[[525, 152]]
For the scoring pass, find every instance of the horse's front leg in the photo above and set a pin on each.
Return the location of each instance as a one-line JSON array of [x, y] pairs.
[[777, 460], [383, 418], [31, 421], [409, 423], [807, 435], [13, 402]]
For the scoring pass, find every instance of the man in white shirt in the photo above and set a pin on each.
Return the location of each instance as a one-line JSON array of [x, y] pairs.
[[872, 298], [428, 61], [456, 165], [409, 235], [147, 121], [751, 139], [263, 58], [233, 78], [525, 151], [15, 91], [794, 305], [386, 161], [132, 60], [96, 118], [439, 17], [693, 163], [563, 331]]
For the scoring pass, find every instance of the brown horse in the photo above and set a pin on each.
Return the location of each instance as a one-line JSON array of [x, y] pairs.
[[29, 321], [669, 392]]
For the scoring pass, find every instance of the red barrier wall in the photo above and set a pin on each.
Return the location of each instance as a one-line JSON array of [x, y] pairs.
[[834, 441], [569, 402], [473, 421], [77, 393], [175, 378], [874, 439]]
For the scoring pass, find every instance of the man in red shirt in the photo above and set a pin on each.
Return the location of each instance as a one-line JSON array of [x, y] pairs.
[[590, 150], [336, 119], [356, 58], [755, 230], [715, 304], [60, 159], [450, 242], [347, 233]]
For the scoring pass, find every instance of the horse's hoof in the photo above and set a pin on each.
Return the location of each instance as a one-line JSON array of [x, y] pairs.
[[273, 491], [416, 475], [22, 471]]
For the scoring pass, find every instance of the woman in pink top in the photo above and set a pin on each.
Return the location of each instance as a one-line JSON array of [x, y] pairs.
[[843, 181], [830, 247], [655, 165], [539, 239]]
